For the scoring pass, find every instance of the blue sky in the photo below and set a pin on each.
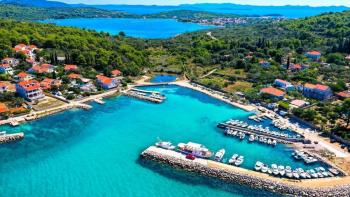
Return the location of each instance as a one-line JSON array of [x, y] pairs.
[[250, 2]]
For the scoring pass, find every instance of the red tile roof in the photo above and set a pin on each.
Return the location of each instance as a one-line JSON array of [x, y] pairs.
[[4, 65], [68, 67], [344, 94], [3, 108], [273, 91], [74, 76], [30, 85], [22, 74], [317, 86], [116, 72], [104, 79], [314, 53]]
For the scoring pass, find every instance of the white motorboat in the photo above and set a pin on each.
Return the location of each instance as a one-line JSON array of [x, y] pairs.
[[233, 159], [258, 165], [195, 149], [219, 155], [239, 161], [165, 145]]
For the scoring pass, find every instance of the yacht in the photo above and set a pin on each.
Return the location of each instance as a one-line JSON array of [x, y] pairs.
[[274, 169], [264, 168], [233, 159], [195, 149], [281, 170], [239, 161], [165, 145], [251, 138], [258, 165], [219, 155]]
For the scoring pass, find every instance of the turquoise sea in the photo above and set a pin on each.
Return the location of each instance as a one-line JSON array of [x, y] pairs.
[[95, 152], [140, 28]]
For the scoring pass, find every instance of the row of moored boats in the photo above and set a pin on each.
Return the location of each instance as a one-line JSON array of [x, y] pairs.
[[193, 150], [299, 173], [306, 157], [252, 138]]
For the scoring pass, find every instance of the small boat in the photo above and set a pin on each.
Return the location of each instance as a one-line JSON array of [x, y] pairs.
[[251, 138], [195, 149], [242, 136], [265, 168], [165, 145], [281, 170], [274, 169], [334, 171], [233, 159], [258, 165], [239, 161], [219, 155], [274, 142], [296, 174]]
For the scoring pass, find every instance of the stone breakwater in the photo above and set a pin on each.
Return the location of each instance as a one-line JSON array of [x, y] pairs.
[[247, 177]]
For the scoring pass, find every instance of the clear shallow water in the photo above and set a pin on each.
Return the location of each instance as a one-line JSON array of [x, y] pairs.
[[95, 152], [140, 28], [163, 78]]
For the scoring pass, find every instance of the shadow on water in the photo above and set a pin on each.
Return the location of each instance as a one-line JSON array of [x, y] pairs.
[[196, 179]]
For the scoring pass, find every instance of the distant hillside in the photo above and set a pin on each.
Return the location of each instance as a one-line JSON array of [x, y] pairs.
[[20, 12], [188, 14], [38, 3]]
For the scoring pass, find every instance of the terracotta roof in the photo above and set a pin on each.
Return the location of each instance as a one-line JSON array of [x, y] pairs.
[[295, 66], [3, 108], [4, 65], [74, 76], [298, 103], [104, 79], [116, 72], [273, 91], [317, 86], [22, 74], [3, 84], [314, 53], [70, 67], [344, 94], [30, 85]]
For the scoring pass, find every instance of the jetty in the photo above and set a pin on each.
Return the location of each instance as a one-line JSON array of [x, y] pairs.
[[151, 96], [286, 139], [5, 138], [333, 186]]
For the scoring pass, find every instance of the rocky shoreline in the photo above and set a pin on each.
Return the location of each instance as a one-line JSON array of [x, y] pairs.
[[242, 178]]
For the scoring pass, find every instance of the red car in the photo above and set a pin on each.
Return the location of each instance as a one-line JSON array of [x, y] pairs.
[[190, 156]]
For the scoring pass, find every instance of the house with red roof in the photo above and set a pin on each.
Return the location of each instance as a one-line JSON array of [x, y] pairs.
[[70, 67], [116, 73], [10, 61], [273, 92], [283, 84], [318, 91], [3, 108], [40, 69], [74, 76], [29, 90], [28, 50], [314, 55], [6, 69], [48, 83], [4, 87], [344, 94], [23, 76], [106, 82]]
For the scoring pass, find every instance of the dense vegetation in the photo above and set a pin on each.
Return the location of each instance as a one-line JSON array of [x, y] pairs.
[[8, 11], [89, 49]]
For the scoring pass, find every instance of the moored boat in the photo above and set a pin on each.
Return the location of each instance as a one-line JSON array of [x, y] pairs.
[[233, 159], [219, 155], [195, 149], [165, 145]]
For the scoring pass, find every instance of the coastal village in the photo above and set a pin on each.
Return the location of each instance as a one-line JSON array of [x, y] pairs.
[[38, 91]]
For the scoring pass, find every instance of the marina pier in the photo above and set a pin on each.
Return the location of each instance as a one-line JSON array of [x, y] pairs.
[[334, 186], [279, 138], [151, 96], [5, 138]]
